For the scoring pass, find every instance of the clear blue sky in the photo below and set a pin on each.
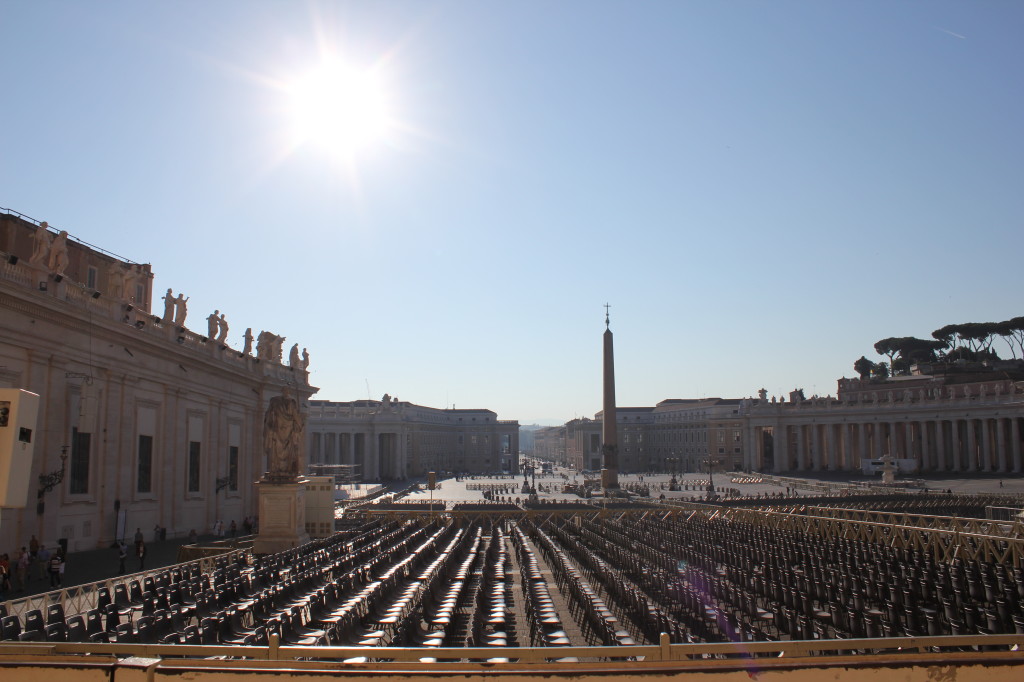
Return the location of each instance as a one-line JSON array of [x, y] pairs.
[[761, 190]]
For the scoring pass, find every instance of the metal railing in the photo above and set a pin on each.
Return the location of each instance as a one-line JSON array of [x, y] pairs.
[[81, 598], [746, 654], [38, 223]]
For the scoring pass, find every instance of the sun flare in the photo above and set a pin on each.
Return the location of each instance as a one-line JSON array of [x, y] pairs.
[[339, 108]]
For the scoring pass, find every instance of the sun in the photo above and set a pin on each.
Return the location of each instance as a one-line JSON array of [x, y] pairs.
[[339, 108]]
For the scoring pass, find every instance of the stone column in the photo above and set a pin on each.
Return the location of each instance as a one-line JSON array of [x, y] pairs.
[[954, 444], [988, 460], [972, 446], [815, 446], [799, 447], [941, 460], [910, 444], [780, 446], [863, 446], [1001, 445], [927, 460], [847, 447], [879, 438], [752, 454], [894, 440], [1015, 437], [831, 455]]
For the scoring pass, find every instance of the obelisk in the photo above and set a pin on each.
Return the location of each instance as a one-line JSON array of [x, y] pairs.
[[609, 430]]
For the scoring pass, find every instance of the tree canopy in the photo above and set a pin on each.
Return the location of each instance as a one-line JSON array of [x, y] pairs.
[[968, 341]]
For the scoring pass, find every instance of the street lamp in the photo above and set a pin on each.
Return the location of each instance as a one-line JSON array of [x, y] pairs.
[[48, 482], [711, 478]]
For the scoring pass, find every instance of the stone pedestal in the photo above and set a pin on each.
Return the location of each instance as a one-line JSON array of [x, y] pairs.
[[282, 517]]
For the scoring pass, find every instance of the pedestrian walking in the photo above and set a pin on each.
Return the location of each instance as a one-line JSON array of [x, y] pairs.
[[122, 555], [22, 569], [233, 529], [43, 563], [141, 552], [55, 564], [5, 574], [138, 539]]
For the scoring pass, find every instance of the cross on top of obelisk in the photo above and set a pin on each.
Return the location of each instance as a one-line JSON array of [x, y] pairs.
[[607, 322]]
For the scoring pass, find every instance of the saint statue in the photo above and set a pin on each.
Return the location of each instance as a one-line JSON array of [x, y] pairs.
[[40, 245], [212, 322], [305, 359], [283, 436], [222, 337], [59, 253], [180, 309], [115, 280], [293, 357], [248, 342], [168, 307]]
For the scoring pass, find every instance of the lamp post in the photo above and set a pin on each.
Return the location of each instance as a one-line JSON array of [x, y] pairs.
[[48, 482], [711, 479], [673, 463]]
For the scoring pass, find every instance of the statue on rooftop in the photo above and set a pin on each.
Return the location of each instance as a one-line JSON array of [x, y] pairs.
[[59, 253], [212, 324], [222, 337], [40, 245], [305, 359], [293, 357], [115, 280], [180, 309], [248, 342], [168, 306]]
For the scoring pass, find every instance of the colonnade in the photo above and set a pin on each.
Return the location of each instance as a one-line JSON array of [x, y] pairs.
[[381, 455], [970, 443]]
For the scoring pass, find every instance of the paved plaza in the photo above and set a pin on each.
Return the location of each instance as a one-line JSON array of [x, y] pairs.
[[100, 564], [693, 486]]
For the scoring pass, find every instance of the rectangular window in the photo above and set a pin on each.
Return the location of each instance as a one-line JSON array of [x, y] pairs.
[[90, 277], [80, 444], [144, 482], [194, 448], [233, 468]]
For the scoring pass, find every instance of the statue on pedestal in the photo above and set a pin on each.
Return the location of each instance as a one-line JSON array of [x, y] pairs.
[[222, 337], [247, 349], [283, 437], [59, 253], [115, 280], [40, 246], [168, 306], [180, 309], [212, 323], [293, 357]]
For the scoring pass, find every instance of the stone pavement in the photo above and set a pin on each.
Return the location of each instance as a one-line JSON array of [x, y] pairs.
[[456, 491]]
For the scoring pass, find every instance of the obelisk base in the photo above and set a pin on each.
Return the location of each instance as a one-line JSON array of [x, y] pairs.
[[282, 517]]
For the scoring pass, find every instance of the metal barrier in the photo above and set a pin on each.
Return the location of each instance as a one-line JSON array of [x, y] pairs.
[[81, 598], [661, 652]]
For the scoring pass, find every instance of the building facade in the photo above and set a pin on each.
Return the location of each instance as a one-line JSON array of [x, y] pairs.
[[549, 445], [389, 439], [954, 422], [158, 424]]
